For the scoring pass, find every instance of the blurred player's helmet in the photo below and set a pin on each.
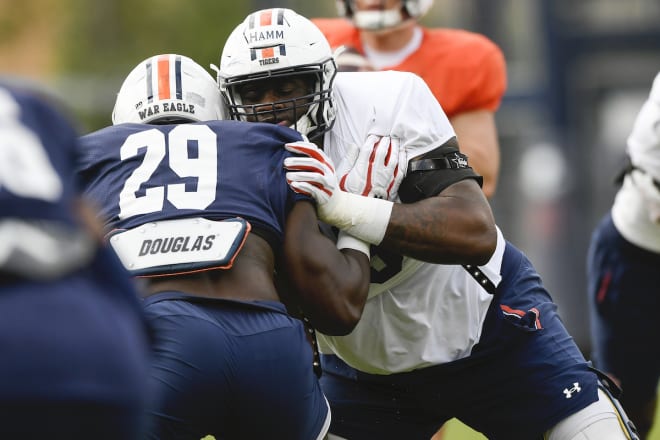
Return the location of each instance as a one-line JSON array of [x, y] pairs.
[[275, 43], [383, 18], [167, 88]]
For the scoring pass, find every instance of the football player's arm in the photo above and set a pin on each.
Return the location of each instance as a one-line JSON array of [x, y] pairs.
[[474, 123], [445, 217], [330, 285], [454, 227], [477, 134]]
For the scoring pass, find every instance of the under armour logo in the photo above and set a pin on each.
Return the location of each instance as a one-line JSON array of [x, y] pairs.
[[575, 389]]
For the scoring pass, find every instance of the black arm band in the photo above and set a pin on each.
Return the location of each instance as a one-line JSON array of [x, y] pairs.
[[430, 173]]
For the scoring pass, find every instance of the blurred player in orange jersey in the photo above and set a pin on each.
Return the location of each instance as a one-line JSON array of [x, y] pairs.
[[465, 71]]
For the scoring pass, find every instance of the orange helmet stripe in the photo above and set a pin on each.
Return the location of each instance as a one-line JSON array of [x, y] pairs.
[[268, 52], [164, 77], [266, 18]]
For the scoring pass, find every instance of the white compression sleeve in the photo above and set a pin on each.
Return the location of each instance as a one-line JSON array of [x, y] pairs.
[[598, 421]]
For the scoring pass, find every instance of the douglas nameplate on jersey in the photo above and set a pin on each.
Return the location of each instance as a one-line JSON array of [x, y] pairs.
[[180, 246]]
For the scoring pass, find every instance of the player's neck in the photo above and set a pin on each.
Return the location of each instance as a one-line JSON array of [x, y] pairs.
[[391, 40]]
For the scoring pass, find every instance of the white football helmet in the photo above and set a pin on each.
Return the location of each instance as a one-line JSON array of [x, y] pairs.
[[384, 18], [167, 88], [275, 43]]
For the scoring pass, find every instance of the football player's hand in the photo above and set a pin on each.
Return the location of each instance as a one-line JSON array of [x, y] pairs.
[[371, 170], [312, 173]]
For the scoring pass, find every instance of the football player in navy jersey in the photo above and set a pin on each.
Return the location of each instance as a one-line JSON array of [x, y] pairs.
[[73, 340], [622, 271], [202, 211]]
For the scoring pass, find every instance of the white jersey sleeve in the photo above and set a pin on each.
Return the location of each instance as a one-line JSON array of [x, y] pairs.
[[644, 140], [388, 103]]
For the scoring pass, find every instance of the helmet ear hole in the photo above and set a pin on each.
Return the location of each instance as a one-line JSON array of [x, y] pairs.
[[273, 44]]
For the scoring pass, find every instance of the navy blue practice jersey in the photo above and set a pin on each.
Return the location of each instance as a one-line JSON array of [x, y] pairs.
[[216, 169]]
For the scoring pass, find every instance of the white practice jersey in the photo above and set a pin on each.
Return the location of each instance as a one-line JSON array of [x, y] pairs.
[[636, 209], [426, 314]]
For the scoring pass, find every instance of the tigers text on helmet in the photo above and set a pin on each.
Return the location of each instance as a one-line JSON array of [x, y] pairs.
[[274, 44], [167, 88], [383, 18]]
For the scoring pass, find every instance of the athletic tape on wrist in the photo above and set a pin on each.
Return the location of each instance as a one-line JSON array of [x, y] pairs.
[[347, 241], [365, 218]]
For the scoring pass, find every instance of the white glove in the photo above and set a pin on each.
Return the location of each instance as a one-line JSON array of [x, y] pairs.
[[314, 175], [373, 169]]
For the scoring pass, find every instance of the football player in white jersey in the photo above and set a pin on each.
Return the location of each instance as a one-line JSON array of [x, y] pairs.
[[622, 271], [457, 323]]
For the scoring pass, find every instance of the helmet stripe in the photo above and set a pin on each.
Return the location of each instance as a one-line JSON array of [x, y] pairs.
[[266, 18], [164, 77], [177, 77], [150, 91]]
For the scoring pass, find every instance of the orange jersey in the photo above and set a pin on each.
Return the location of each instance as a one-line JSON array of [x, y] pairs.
[[465, 71]]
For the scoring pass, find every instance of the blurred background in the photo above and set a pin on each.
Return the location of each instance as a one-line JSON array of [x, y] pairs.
[[578, 73]]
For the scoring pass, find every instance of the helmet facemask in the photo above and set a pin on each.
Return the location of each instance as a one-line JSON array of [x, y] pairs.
[[305, 111]]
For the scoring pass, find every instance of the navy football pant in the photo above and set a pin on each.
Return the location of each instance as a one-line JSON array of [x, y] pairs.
[[524, 376], [236, 370], [624, 293]]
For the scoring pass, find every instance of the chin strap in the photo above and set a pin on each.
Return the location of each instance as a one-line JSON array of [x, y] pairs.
[[304, 125], [375, 20]]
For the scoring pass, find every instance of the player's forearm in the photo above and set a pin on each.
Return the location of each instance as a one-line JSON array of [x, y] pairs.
[[331, 285], [333, 290], [455, 227], [444, 229]]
